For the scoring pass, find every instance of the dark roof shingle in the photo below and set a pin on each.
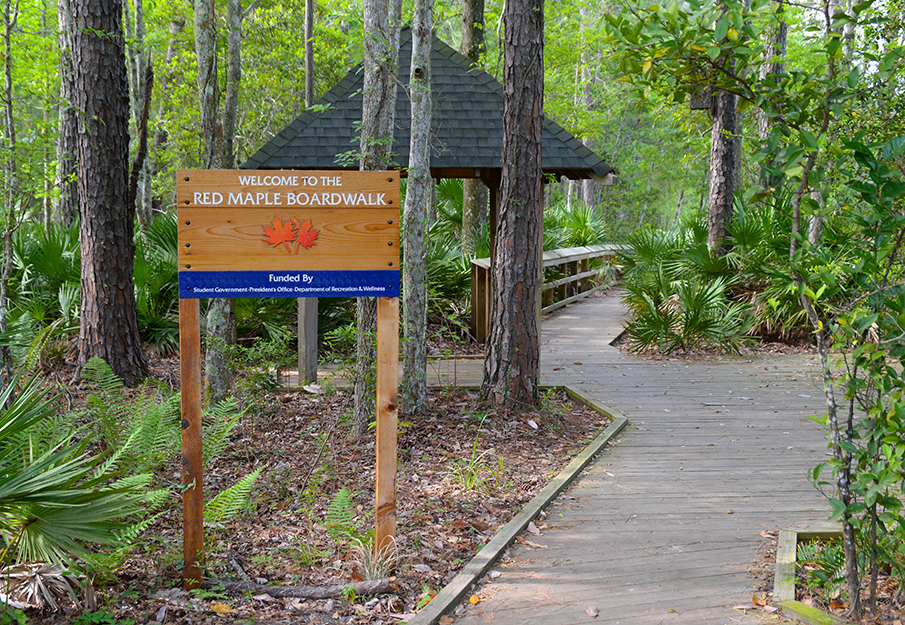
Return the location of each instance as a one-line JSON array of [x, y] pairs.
[[467, 128]]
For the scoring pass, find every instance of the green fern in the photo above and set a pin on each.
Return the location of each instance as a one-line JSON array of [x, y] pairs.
[[825, 564], [143, 432], [217, 425], [106, 404], [340, 518], [231, 501]]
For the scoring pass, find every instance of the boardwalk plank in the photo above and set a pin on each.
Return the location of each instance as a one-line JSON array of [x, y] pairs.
[[707, 436]]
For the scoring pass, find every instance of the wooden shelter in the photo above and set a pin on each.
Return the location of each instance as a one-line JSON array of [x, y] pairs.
[[466, 129]]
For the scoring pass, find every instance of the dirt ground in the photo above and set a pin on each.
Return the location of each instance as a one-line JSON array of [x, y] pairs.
[[464, 470]]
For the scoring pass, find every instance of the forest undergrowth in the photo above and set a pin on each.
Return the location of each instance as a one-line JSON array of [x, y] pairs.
[[465, 469]]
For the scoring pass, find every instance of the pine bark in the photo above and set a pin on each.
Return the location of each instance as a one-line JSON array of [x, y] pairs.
[[109, 320], [417, 206], [511, 367], [475, 195], [377, 119]]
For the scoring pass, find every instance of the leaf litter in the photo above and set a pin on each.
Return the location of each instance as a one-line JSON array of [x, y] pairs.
[[465, 469]]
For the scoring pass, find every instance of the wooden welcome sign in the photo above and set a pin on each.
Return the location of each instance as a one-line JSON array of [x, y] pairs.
[[286, 234]]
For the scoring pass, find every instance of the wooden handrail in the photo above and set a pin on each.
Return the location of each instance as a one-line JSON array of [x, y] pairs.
[[580, 281]]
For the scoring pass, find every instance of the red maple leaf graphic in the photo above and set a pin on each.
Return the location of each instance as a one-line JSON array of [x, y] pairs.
[[306, 236], [280, 233]]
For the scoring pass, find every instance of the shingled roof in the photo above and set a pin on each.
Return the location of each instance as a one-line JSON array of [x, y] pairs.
[[467, 128]]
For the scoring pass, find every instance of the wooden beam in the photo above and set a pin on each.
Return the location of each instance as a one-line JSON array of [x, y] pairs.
[[387, 415], [192, 478], [307, 341]]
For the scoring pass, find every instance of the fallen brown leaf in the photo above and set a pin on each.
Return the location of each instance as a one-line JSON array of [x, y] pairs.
[[592, 611]]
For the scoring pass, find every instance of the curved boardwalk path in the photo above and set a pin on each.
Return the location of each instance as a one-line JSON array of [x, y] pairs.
[[666, 525]]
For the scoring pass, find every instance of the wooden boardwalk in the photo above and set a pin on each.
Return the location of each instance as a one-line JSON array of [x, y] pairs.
[[665, 526]]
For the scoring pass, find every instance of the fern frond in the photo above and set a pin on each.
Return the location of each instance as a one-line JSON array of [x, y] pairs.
[[107, 403], [217, 425], [340, 517], [230, 502]]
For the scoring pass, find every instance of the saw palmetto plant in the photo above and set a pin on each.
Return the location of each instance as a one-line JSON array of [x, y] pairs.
[[56, 499]]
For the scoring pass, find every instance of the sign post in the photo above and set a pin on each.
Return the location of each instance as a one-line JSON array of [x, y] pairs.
[[287, 234]]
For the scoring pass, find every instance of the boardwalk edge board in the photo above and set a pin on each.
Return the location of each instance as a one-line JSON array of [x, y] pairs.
[[447, 599], [784, 578]]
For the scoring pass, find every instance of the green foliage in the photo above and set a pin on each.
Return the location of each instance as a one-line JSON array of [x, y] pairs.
[[475, 472], [340, 517], [678, 296], [157, 284], [231, 501], [572, 226], [100, 618], [258, 366], [824, 565], [143, 429], [59, 497], [869, 453]]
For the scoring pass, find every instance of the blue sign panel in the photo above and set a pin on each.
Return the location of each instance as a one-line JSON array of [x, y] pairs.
[[232, 284]]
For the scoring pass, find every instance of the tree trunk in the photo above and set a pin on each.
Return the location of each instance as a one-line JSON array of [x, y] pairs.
[[474, 193], [588, 79], [233, 78], [774, 54], [137, 62], [67, 147], [307, 306], [217, 154], [11, 183], [309, 52], [722, 169], [417, 205], [176, 26], [208, 85], [512, 363], [377, 119], [109, 320]]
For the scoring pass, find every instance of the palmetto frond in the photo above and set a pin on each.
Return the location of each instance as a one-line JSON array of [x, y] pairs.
[[42, 585]]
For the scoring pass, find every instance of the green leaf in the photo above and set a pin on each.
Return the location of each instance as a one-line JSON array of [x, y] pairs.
[[808, 139], [674, 9], [894, 148], [893, 189], [793, 171], [853, 78], [722, 27]]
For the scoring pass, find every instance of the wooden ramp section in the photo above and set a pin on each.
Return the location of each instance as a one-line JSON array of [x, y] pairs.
[[665, 527]]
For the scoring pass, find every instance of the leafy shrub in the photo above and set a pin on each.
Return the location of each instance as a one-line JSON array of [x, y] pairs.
[[59, 497], [678, 296]]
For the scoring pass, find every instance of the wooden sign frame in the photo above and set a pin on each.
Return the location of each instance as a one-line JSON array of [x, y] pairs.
[[233, 226]]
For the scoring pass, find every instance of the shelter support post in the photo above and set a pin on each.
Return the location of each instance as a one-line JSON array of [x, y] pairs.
[[307, 343]]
